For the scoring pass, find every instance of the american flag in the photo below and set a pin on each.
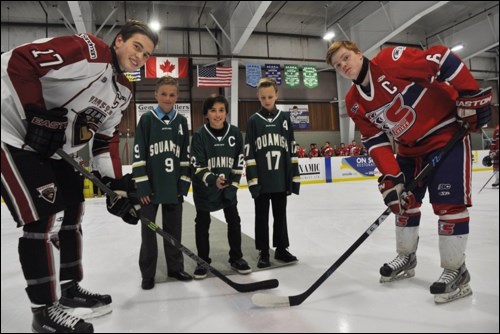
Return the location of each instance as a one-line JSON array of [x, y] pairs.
[[214, 76]]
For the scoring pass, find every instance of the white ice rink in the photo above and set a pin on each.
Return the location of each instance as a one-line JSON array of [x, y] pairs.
[[323, 222]]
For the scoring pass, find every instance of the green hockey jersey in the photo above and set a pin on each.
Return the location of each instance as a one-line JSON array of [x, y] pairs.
[[271, 161], [161, 158], [212, 157]]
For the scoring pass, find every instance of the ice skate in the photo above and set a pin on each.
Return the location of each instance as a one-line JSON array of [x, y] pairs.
[[403, 266], [55, 319], [82, 303], [452, 285]]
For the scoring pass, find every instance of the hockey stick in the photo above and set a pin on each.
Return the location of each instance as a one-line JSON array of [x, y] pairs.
[[149, 222], [494, 173], [267, 300]]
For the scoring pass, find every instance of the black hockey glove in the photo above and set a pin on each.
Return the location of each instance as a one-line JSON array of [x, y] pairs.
[[393, 190], [487, 161], [46, 129], [124, 205], [475, 108]]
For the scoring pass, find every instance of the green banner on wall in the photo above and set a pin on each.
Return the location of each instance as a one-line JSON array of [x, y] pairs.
[[310, 75], [292, 75]]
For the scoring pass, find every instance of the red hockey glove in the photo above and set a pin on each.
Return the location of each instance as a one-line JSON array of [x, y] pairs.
[[46, 129], [475, 108], [393, 190]]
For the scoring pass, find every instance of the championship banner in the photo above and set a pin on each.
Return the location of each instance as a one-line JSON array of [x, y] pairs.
[[182, 108], [274, 71], [292, 75], [253, 73], [299, 114], [310, 75]]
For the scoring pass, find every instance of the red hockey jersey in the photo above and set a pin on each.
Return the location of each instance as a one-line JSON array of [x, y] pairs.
[[411, 99]]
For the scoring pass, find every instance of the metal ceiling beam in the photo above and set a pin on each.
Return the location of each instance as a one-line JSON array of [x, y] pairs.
[[81, 11], [476, 38], [243, 21], [388, 21]]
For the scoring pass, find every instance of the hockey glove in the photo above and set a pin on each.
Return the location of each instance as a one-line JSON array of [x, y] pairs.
[[123, 208], [487, 161], [393, 190], [46, 129], [475, 108], [124, 205]]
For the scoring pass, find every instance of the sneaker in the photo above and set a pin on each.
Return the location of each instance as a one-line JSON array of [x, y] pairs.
[[55, 319], [200, 272], [241, 266], [403, 266], [147, 283], [74, 297], [453, 284], [263, 260], [284, 255]]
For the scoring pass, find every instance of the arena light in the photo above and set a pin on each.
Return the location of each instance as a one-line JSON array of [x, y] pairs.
[[155, 26], [457, 47], [329, 35]]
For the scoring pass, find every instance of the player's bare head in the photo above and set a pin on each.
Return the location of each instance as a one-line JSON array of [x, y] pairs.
[[336, 46], [136, 27], [267, 82], [212, 100], [167, 80]]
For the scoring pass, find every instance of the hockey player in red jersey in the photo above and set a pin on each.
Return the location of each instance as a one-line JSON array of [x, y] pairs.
[[416, 97], [327, 150], [494, 155], [64, 92]]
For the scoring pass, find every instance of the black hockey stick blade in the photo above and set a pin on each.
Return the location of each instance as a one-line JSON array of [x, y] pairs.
[[268, 300], [240, 287]]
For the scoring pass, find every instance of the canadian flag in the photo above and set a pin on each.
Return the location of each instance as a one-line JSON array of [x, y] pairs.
[[157, 67]]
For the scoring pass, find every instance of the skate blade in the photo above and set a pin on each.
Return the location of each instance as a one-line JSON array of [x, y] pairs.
[[87, 312], [402, 275], [461, 292]]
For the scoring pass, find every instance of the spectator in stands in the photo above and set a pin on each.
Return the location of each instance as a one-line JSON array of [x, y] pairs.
[[301, 152], [327, 150], [314, 151]]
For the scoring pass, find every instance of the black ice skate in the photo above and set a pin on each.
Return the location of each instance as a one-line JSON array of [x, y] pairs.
[[453, 284], [55, 319], [83, 303], [403, 266]]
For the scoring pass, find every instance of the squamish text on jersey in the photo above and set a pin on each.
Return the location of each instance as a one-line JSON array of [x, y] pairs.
[[164, 146], [271, 139], [220, 162]]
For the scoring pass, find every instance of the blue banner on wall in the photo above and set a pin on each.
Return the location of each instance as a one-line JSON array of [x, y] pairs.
[[254, 74]]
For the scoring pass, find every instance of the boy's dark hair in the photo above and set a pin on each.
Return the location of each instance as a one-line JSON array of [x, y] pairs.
[[213, 99], [136, 27]]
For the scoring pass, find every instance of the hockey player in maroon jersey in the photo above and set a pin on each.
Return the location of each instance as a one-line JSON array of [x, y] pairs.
[[416, 97], [64, 92]]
